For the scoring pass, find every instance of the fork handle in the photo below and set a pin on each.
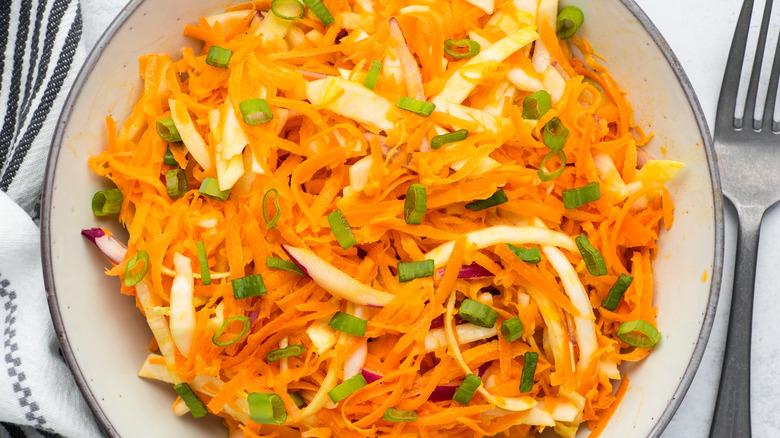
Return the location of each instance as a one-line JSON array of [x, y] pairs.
[[732, 407]]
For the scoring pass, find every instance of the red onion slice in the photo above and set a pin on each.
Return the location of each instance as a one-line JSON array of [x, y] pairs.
[[469, 271], [370, 376]]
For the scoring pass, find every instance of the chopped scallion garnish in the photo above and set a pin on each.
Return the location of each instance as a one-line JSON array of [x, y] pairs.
[[415, 204], [412, 270], [288, 9], [554, 134], [477, 313], [215, 339], [467, 389], [530, 360], [512, 329], [373, 75], [167, 130], [498, 198], [219, 57], [136, 268], [341, 229], [347, 323], [569, 20], [528, 255], [266, 408], [451, 137], [594, 261], [271, 222], [297, 399], [249, 286], [256, 111], [107, 202], [210, 188], [543, 175], [196, 407], [347, 387], [616, 292], [176, 183], [320, 11], [203, 261], [536, 105], [399, 415], [169, 159], [284, 265], [292, 350], [463, 48], [577, 197], [418, 107], [638, 333]]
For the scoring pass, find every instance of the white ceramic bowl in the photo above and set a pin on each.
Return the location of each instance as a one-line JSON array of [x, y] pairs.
[[104, 337]]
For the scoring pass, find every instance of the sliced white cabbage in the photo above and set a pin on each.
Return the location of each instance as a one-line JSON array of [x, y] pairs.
[[505, 234], [503, 92], [407, 61], [351, 100], [527, 6], [485, 120], [437, 338], [609, 177], [182, 308], [157, 324], [457, 89], [485, 5], [524, 81], [547, 11], [355, 362], [190, 136], [272, 27], [658, 172], [156, 370], [359, 174], [322, 336], [216, 321], [229, 20], [554, 83], [294, 36]]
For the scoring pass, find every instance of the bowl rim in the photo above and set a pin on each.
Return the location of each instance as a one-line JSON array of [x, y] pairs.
[[630, 5]]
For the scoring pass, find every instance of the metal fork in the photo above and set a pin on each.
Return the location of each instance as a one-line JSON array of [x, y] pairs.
[[748, 151]]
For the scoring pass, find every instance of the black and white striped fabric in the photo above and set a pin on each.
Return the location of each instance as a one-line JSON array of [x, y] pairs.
[[40, 54]]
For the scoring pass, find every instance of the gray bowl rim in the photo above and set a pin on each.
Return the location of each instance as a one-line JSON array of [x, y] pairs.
[[127, 11]]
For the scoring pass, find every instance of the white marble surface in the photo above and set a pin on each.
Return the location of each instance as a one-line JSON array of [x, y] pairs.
[[699, 32]]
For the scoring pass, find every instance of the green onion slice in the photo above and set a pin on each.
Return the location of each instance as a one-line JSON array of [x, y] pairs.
[[288, 9], [249, 286], [554, 134], [577, 197], [528, 255], [320, 11], [463, 48], [477, 313], [512, 329], [256, 111], [167, 130], [175, 183], [210, 188], [416, 204], [466, 390], [347, 387], [543, 175], [218, 334], [136, 268], [297, 399], [529, 368], [418, 107], [536, 105], [169, 159], [346, 323], [451, 137], [219, 57], [399, 415], [292, 350], [284, 265], [638, 333], [373, 74], [569, 20], [616, 292], [412, 270], [271, 223], [341, 229], [266, 408], [594, 261], [107, 202], [497, 198], [203, 261], [196, 407]]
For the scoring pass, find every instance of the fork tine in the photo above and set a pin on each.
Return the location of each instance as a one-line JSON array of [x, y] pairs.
[[727, 102], [750, 104], [771, 95]]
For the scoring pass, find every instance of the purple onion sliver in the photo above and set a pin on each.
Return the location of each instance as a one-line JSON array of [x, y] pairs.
[[483, 368], [370, 376], [437, 322], [443, 392], [294, 260], [93, 233]]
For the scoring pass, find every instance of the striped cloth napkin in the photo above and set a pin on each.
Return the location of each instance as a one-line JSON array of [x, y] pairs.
[[40, 54]]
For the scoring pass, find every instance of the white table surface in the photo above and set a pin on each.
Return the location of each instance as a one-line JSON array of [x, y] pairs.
[[699, 32]]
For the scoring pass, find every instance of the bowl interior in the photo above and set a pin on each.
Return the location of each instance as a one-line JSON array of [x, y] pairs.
[[104, 336]]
